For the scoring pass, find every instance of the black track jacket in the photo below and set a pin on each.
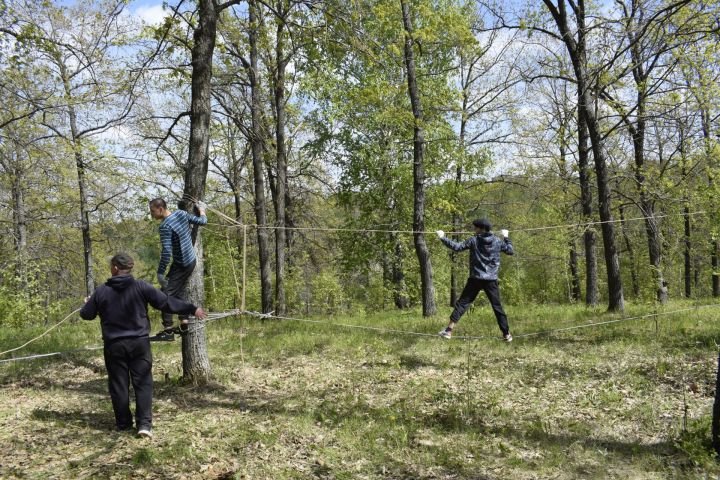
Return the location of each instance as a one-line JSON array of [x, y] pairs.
[[122, 305]]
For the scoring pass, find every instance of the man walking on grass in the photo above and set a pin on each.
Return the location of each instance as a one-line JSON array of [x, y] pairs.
[[122, 305], [176, 240], [485, 251]]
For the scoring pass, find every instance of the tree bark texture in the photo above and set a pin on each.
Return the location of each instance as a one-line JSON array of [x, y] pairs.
[[428, 290], [281, 162], [196, 364], [586, 106], [591, 283], [256, 146]]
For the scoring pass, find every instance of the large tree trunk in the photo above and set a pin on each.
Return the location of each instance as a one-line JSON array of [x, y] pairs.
[[591, 283], [76, 144], [631, 254], [281, 163], [705, 121], [257, 152], [648, 209], [586, 106], [428, 290], [196, 364]]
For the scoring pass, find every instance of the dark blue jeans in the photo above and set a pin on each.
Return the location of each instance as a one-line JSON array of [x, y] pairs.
[[470, 292], [130, 359], [177, 280]]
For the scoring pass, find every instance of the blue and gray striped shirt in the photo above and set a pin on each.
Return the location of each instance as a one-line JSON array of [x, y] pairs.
[[176, 240]]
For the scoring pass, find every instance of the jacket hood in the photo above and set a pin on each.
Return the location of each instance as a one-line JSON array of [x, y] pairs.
[[485, 238], [120, 282]]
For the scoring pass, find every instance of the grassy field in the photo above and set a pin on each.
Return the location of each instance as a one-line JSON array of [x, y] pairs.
[[301, 400]]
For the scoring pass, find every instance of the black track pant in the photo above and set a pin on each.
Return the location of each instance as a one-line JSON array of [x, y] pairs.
[[130, 359], [470, 292], [177, 280]]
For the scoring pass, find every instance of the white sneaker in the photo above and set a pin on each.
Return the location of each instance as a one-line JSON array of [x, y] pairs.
[[445, 333], [507, 338], [145, 432]]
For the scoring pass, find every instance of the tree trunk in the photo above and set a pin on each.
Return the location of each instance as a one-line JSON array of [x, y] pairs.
[[716, 413], [398, 276], [586, 106], [647, 207], [591, 284], [688, 251], [575, 293], [706, 128], [428, 290], [631, 254], [76, 144], [266, 293], [281, 163], [196, 364], [19, 222]]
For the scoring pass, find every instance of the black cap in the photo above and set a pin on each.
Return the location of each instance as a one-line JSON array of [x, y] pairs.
[[483, 223], [123, 261]]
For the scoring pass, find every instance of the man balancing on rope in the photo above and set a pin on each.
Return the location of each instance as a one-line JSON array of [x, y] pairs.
[[176, 241], [122, 305], [485, 251]]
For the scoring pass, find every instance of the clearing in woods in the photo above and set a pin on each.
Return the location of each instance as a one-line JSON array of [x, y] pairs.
[[300, 400]]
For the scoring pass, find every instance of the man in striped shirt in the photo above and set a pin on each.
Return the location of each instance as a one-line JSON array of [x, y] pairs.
[[176, 241]]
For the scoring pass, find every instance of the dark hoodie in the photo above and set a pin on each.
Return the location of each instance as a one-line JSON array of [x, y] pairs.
[[485, 251], [122, 305]]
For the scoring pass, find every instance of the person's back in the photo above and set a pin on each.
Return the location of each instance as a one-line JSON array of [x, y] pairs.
[[122, 305], [484, 263], [484, 258]]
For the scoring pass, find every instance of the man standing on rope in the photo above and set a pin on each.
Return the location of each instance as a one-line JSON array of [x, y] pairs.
[[177, 243], [122, 305], [485, 251]]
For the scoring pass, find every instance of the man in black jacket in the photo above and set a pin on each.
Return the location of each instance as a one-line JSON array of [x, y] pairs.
[[122, 305], [485, 251]]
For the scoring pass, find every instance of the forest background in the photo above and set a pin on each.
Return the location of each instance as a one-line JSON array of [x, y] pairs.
[[341, 129]]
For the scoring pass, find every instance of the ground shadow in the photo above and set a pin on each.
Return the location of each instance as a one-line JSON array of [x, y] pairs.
[[98, 421]]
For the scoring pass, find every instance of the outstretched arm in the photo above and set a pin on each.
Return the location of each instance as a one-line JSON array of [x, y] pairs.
[[458, 247], [165, 303]]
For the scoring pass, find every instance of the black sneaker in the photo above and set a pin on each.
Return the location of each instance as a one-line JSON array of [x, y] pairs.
[[164, 336]]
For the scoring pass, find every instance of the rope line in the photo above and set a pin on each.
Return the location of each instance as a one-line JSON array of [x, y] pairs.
[[213, 317], [235, 223], [476, 337], [42, 334], [40, 355]]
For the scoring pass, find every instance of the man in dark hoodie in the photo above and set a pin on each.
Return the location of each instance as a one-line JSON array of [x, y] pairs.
[[122, 305], [485, 251]]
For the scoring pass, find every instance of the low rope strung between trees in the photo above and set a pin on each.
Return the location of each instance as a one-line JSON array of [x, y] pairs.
[[42, 334], [213, 317]]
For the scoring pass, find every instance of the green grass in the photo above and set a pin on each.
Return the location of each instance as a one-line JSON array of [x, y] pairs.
[[301, 400]]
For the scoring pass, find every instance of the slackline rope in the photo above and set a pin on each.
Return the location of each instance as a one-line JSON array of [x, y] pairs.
[[213, 317]]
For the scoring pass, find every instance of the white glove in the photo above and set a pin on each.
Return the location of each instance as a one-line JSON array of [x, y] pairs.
[[504, 233], [201, 205], [440, 234]]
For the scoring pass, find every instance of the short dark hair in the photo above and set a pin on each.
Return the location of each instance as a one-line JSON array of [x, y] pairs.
[[158, 202], [483, 223], [123, 261]]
